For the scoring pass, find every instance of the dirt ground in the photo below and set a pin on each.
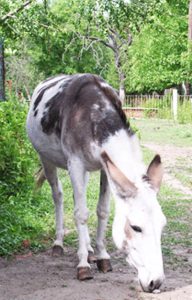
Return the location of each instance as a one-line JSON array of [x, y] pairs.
[[38, 277], [41, 276]]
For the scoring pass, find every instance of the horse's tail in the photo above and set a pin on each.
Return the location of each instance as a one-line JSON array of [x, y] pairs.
[[39, 178]]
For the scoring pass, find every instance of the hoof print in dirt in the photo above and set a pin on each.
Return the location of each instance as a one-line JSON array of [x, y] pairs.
[[57, 251], [91, 258], [84, 273], [104, 265]]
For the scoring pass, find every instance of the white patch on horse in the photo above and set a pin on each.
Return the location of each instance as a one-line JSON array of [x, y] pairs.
[[96, 106], [104, 85], [45, 84], [127, 159]]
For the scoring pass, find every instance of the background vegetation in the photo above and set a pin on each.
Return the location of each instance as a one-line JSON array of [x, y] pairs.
[[138, 46]]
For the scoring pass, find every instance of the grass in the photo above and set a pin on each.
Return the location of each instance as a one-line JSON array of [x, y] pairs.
[[164, 132], [178, 212], [183, 171], [177, 209]]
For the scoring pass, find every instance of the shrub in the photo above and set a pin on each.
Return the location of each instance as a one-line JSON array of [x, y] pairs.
[[19, 205]]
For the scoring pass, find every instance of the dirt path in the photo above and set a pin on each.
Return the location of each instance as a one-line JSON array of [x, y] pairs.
[[40, 277]]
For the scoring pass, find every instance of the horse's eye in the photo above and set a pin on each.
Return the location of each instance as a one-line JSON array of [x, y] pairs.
[[136, 228]]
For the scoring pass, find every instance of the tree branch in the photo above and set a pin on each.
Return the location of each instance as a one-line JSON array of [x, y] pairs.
[[101, 41], [15, 11]]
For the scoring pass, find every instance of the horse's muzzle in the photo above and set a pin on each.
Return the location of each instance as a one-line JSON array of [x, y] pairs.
[[153, 285]]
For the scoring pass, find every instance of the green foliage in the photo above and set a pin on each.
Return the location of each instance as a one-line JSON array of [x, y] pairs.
[[71, 36], [155, 57], [22, 212]]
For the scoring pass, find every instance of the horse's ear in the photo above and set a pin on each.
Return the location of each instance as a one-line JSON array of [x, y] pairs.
[[123, 186], [155, 172]]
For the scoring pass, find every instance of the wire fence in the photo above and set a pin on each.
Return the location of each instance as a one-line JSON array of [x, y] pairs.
[[159, 106]]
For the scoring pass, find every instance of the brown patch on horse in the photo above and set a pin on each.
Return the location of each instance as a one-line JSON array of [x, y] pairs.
[[52, 118], [42, 91], [97, 114], [89, 109]]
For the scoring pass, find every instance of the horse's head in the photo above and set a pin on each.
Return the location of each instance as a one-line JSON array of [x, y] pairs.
[[139, 221]]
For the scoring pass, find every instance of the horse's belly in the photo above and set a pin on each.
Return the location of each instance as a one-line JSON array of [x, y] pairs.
[[47, 146]]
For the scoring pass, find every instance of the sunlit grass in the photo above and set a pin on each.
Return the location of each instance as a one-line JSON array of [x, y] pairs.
[[164, 132]]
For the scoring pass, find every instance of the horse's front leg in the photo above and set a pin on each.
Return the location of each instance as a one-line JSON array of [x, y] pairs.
[[103, 207], [79, 178]]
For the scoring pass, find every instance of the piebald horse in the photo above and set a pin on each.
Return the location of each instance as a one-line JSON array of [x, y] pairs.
[[76, 122]]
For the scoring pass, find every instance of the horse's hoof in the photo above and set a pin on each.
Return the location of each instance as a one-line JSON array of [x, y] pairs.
[[57, 251], [104, 265], [84, 273], [91, 258]]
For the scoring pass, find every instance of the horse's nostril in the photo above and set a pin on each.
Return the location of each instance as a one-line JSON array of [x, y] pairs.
[[154, 285], [151, 286]]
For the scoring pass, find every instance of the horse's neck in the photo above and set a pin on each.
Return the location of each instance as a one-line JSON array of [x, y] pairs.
[[124, 151]]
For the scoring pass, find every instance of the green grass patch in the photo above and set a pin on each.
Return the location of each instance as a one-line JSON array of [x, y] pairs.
[[164, 132], [183, 170], [179, 221]]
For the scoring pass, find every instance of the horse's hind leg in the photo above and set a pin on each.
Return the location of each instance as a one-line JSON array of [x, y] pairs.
[[103, 262], [51, 175]]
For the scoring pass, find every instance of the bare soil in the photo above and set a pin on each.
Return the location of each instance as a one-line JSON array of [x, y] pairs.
[[41, 276]]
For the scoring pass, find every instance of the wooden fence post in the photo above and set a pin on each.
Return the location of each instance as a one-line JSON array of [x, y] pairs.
[[175, 104], [2, 71]]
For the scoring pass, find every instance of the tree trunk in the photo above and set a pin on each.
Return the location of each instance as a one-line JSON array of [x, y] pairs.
[[116, 50], [188, 85], [122, 87], [113, 44], [2, 72]]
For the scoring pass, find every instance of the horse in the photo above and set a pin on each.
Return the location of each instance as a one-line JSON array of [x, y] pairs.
[[76, 122]]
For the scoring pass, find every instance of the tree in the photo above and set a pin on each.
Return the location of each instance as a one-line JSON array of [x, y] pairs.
[[114, 24], [13, 12], [157, 58], [140, 45]]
